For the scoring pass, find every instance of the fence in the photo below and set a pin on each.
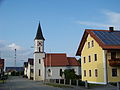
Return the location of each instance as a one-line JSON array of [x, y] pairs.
[[67, 82], [75, 82]]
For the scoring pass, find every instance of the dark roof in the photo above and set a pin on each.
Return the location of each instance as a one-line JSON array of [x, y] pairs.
[[1, 63], [31, 61], [105, 38], [9, 69], [39, 34], [108, 38], [25, 64]]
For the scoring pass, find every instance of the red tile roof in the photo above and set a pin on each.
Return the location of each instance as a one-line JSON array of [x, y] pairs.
[[1, 63], [58, 59], [72, 61]]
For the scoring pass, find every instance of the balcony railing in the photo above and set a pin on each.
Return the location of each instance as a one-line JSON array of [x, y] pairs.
[[114, 62]]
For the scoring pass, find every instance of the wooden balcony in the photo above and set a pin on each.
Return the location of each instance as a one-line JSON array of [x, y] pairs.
[[114, 62]]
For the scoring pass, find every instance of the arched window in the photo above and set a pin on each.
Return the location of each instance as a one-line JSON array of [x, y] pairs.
[[39, 49], [92, 43], [49, 72], [61, 72]]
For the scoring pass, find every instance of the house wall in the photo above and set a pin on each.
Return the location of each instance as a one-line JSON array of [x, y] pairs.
[[99, 65], [55, 71], [31, 73], [28, 71], [25, 70], [109, 69]]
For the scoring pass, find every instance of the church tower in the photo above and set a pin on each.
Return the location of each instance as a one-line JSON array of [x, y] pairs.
[[39, 55]]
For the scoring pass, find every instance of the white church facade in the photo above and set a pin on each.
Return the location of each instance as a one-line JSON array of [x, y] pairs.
[[50, 65]]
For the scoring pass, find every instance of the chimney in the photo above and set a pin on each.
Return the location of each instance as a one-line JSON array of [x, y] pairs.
[[111, 29]]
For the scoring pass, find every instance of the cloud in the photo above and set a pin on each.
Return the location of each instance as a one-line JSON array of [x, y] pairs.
[[7, 52], [14, 46], [113, 17], [112, 20], [94, 24]]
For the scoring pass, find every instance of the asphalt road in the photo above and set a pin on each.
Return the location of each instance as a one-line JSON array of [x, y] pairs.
[[19, 83]]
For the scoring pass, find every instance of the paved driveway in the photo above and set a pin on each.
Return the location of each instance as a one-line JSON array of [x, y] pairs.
[[19, 83]]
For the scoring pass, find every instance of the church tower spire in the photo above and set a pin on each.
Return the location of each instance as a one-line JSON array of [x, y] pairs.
[[39, 34], [39, 55]]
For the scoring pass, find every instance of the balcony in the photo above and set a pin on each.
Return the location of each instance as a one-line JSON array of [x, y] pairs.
[[114, 62]]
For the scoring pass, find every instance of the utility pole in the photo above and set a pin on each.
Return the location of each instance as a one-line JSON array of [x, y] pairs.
[[15, 58]]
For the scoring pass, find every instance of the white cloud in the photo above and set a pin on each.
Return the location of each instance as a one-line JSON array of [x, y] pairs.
[[112, 20], [113, 17], [14, 46], [93, 24], [7, 52]]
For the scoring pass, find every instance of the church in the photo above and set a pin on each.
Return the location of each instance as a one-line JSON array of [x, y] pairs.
[[50, 65]]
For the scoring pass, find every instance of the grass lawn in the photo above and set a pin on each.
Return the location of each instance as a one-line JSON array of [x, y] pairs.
[[1, 81], [93, 85], [58, 85]]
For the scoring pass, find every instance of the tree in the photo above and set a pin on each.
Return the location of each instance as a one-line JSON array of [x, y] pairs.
[[70, 74], [79, 60]]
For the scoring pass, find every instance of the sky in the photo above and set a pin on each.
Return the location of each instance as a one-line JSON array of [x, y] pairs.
[[62, 21]]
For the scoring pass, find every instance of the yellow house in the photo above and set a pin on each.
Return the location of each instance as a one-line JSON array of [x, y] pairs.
[[100, 56]]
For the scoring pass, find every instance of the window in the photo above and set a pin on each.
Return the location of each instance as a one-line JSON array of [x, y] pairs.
[[39, 49], [92, 43], [89, 58], [49, 72], [88, 44], [39, 61], [84, 73], [39, 72], [113, 55], [95, 57], [84, 60], [114, 72], [61, 72], [31, 70], [90, 73], [96, 73]]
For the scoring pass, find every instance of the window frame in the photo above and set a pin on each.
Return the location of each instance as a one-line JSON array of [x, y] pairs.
[[84, 59], [39, 61], [39, 72], [89, 58], [85, 74], [90, 73], [92, 43], [95, 57], [60, 73], [115, 74], [88, 44], [96, 72]]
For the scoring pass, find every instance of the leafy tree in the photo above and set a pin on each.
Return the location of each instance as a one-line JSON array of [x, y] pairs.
[[70, 74], [79, 60]]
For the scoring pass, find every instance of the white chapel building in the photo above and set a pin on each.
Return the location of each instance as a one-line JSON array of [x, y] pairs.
[[50, 65]]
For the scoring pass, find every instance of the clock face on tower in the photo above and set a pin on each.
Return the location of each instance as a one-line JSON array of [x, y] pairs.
[[39, 43]]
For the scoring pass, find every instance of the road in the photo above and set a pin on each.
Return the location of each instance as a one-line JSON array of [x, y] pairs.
[[19, 83]]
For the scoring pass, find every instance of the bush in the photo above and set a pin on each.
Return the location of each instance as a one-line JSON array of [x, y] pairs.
[[70, 74], [81, 83]]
